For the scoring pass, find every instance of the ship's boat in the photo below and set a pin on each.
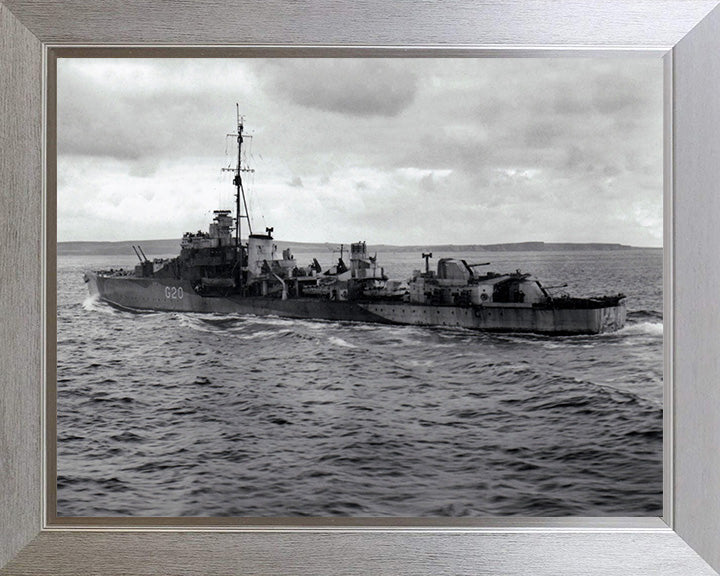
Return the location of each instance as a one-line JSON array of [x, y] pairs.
[[217, 272]]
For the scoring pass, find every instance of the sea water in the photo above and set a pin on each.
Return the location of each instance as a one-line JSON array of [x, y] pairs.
[[171, 414]]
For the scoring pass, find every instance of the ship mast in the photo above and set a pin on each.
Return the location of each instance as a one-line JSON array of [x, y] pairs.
[[240, 200], [238, 192]]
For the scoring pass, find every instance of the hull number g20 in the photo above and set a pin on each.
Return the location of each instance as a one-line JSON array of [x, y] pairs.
[[173, 293]]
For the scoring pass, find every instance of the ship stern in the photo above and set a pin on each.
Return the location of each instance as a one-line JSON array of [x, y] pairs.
[[611, 318]]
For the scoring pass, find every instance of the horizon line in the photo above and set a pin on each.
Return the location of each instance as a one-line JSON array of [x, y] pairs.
[[572, 242]]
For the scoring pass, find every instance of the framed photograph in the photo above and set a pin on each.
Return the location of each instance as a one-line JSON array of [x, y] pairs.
[[363, 512], [421, 371]]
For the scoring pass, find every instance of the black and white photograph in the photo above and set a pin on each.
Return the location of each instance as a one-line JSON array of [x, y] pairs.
[[359, 287]]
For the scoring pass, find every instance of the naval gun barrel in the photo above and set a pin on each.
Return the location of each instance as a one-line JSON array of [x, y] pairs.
[[479, 264], [137, 254], [143, 253]]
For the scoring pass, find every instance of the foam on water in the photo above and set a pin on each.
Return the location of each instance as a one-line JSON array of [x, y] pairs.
[[92, 304], [644, 328], [335, 341], [264, 334], [194, 323]]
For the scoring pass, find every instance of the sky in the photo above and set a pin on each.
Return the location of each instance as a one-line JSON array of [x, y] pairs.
[[391, 151]]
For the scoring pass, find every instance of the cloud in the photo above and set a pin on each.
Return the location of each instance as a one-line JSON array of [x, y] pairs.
[[371, 87], [96, 199], [393, 151], [615, 93], [139, 109]]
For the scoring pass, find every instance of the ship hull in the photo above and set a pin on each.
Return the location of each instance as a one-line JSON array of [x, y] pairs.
[[167, 294], [509, 318]]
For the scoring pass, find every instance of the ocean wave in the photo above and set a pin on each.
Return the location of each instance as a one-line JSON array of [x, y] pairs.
[[336, 341], [264, 334], [90, 301], [251, 319], [195, 323], [94, 304], [645, 315], [643, 328], [410, 363]]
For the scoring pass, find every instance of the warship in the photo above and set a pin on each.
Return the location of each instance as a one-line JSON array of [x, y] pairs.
[[217, 272]]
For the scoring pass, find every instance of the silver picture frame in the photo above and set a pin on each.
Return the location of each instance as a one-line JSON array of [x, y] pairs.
[[685, 33]]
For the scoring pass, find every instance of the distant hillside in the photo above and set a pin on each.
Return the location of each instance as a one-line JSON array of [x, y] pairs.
[[151, 247], [510, 247], [154, 248]]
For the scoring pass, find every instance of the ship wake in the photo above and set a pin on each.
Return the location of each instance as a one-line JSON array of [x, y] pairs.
[[643, 329]]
